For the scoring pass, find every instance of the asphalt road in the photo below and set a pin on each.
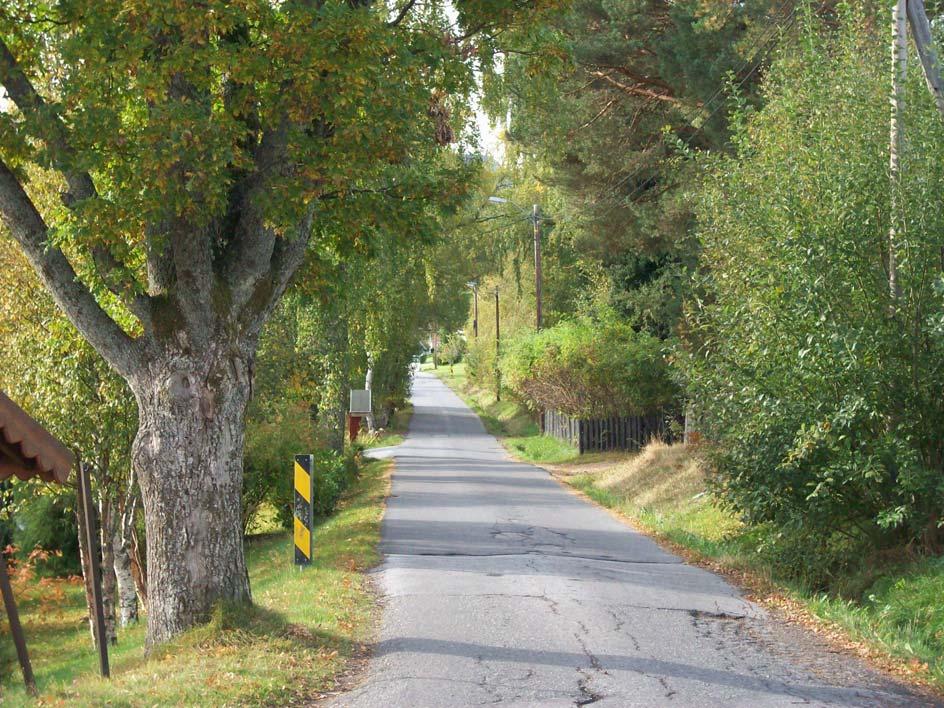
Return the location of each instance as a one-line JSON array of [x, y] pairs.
[[501, 587]]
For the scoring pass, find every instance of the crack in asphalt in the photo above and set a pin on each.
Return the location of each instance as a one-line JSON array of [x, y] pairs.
[[619, 622], [550, 693], [589, 696], [618, 628], [583, 684], [513, 554]]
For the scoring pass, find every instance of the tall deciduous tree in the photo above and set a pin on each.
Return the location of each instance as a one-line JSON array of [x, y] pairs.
[[200, 145], [634, 81]]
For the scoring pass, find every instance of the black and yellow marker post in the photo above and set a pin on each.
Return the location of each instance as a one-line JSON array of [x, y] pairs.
[[304, 518]]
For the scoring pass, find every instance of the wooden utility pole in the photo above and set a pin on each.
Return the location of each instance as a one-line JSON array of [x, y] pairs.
[[538, 286], [538, 278], [475, 309], [497, 349], [899, 74]]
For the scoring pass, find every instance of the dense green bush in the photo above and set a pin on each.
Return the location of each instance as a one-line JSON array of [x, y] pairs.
[[267, 468], [271, 447], [588, 368], [333, 475], [42, 518], [820, 394], [452, 349]]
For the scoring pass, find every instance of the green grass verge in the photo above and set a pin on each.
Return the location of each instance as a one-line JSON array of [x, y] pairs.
[[507, 420], [540, 448], [300, 634], [393, 434]]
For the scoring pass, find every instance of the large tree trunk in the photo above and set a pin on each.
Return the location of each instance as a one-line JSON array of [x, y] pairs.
[[188, 455]]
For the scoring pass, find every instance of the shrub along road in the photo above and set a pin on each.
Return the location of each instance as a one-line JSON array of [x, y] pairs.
[[501, 587]]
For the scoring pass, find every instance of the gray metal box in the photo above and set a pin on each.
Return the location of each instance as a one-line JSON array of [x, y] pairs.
[[360, 402]]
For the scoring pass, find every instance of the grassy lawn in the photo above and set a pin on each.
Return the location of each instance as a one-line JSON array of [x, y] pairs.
[[393, 434], [506, 420], [305, 627]]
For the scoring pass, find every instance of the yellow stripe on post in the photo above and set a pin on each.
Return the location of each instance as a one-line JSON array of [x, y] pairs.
[[303, 510], [302, 539], [302, 482]]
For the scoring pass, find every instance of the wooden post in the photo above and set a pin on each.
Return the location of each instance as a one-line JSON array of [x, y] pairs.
[[475, 311], [538, 285], [353, 426], [497, 348], [91, 535], [16, 629]]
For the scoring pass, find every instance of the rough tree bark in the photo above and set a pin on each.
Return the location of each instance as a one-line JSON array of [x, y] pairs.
[[188, 459]]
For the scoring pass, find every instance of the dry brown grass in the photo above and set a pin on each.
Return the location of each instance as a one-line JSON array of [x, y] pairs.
[[661, 477]]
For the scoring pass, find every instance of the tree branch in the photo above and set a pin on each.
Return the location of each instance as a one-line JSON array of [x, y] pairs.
[[47, 124], [636, 89], [404, 11], [599, 115], [921, 30], [288, 254], [195, 280], [71, 295], [191, 247], [248, 256], [639, 79]]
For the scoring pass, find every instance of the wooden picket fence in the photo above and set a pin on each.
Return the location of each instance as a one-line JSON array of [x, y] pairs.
[[613, 433]]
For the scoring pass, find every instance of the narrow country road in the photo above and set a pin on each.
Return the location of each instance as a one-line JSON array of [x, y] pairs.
[[503, 588]]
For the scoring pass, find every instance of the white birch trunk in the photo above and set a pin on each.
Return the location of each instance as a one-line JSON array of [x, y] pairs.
[[85, 562], [368, 386], [899, 74], [127, 594], [106, 531]]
